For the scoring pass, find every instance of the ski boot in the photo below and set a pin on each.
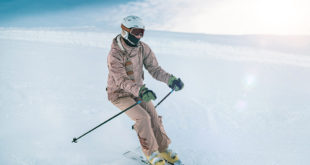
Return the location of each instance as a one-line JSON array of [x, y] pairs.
[[171, 157], [156, 159]]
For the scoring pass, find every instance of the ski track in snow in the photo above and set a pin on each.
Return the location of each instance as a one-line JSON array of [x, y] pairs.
[[241, 105]]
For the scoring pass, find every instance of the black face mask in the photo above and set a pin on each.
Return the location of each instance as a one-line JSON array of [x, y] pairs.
[[134, 41]]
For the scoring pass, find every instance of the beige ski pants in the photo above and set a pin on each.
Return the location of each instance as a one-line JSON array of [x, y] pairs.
[[148, 126]]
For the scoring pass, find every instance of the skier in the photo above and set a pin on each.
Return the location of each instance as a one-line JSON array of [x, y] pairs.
[[125, 87]]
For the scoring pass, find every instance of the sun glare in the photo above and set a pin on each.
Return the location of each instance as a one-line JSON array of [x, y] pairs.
[[283, 17], [278, 16]]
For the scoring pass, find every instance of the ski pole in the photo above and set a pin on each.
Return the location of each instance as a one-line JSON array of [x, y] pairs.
[[164, 98], [133, 126], [75, 139]]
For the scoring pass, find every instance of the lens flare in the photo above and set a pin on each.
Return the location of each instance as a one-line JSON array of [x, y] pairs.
[[250, 82]]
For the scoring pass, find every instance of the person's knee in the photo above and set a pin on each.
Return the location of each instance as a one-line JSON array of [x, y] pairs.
[[144, 119]]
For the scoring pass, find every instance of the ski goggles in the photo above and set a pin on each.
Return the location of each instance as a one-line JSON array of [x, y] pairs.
[[134, 31], [137, 32]]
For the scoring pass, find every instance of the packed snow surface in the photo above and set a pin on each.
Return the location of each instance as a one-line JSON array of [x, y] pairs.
[[246, 99]]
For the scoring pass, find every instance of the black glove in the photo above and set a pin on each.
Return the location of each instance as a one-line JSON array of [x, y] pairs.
[[176, 84]]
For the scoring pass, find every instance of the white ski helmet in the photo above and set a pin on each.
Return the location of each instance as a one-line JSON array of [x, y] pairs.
[[131, 22]]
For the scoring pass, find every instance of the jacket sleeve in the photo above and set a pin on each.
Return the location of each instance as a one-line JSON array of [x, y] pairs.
[[117, 70], [151, 65]]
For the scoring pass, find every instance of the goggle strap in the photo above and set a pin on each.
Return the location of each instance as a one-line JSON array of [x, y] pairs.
[[125, 28]]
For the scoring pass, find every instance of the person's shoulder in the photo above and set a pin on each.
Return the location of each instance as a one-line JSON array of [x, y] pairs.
[[115, 51], [145, 45], [114, 46], [114, 41]]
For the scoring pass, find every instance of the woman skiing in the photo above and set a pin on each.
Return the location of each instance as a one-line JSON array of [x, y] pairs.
[[125, 87]]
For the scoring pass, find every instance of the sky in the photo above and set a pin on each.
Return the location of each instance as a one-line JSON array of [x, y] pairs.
[[280, 17]]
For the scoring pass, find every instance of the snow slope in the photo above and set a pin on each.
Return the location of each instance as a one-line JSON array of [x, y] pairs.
[[245, 101]]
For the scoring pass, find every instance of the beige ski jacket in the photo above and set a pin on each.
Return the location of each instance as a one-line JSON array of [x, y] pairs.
[[125, 66]]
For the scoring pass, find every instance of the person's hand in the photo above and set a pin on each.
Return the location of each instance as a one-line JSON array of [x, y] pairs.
[[146, 95], [175, 83]]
